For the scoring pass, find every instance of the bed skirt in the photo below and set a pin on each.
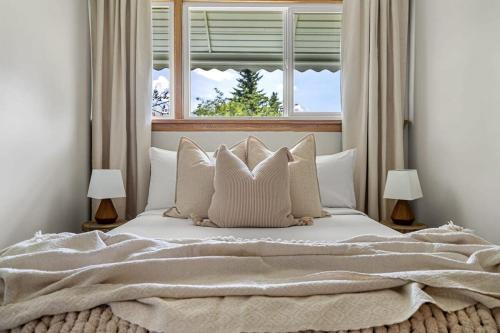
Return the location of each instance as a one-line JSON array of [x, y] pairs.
[[428, 319]]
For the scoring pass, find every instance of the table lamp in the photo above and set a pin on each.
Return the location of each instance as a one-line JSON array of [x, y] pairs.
[[402, 185], [105, 185]]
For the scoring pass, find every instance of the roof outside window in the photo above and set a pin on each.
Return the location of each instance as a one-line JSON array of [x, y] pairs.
[[252, 39]]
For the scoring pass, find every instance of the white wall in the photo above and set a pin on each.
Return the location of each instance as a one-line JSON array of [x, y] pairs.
[[44, 117], [326, 142], [455, 138]]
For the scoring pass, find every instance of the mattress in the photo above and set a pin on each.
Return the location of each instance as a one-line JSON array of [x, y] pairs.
[[342, 224]]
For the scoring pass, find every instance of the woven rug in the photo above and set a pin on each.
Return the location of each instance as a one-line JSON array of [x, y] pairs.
[[428, 319]]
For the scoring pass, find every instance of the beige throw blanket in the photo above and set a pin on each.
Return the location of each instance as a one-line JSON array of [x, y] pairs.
[[226, 285]]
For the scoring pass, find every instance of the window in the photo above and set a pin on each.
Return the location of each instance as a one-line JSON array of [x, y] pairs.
[[247, 60], [236, 62], [162, 46], [316, 54]]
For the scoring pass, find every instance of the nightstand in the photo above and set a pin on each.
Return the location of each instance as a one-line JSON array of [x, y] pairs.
[[404, 229], [93, 225]]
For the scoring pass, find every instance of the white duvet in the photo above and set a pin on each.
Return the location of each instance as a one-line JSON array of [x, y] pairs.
[[343, 224]]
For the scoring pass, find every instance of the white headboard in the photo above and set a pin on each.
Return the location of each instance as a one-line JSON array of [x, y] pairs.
[[326, 142]]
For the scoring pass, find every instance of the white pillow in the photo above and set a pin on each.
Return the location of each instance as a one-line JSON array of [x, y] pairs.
[[163, 177], [335, 176], [336, 179]]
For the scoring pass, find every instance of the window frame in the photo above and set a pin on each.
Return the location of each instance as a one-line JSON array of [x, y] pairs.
[[170, 5], [287, 11], [290, 44], [176, 120]]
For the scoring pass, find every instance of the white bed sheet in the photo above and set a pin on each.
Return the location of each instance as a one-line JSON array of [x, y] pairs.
[[343, 224]]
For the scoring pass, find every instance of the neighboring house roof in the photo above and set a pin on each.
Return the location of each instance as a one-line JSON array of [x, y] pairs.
[[252, 39]]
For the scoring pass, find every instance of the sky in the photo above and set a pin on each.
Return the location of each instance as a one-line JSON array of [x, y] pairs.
[[313, 91]]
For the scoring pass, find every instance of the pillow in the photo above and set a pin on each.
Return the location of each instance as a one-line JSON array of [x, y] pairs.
[[336, 179], [244, 198], [163, 177], [162, 180], [304, 188], [195, 179]]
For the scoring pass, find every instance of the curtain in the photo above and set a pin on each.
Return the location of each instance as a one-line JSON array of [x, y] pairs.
[[374, 89], [121, 47]]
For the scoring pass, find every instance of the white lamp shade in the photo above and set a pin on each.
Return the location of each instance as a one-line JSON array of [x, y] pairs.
[[106, 184], [402, 185]]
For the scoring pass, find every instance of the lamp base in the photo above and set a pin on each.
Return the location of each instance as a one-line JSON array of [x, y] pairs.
[[402, 213], [106, 213]]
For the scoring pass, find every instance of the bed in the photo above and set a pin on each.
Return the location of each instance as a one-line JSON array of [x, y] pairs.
[[345, 272], [344, 223]]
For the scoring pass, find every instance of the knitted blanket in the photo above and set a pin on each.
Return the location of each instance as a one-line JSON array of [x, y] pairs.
[[428, 319], [232, 285]]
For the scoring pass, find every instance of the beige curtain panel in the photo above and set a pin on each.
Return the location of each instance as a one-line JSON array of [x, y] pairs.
[[374, 91], [121, 94]]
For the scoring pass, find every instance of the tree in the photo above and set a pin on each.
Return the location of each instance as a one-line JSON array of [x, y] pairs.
[[247, 84], [161, 102], [211, 107], [275, 103], [246, 100], [247, 92]]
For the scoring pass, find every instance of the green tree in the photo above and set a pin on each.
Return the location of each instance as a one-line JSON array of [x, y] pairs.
[[248, 93], [246, 100], [275, 103], [211, 107]]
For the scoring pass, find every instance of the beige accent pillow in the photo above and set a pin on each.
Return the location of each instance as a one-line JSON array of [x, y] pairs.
[[258, 199], [195, 178], [304, 187]]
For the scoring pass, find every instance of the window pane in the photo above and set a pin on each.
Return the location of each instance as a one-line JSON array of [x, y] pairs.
[[236, 63], [317, 62], [161, 62]]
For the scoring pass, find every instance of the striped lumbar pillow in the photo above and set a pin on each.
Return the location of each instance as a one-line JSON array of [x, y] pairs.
[[304, 187], [195, 179], [258, 199]]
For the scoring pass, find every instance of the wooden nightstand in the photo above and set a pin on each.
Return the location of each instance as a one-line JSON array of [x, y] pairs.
[[404, 228], [93, 225]]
